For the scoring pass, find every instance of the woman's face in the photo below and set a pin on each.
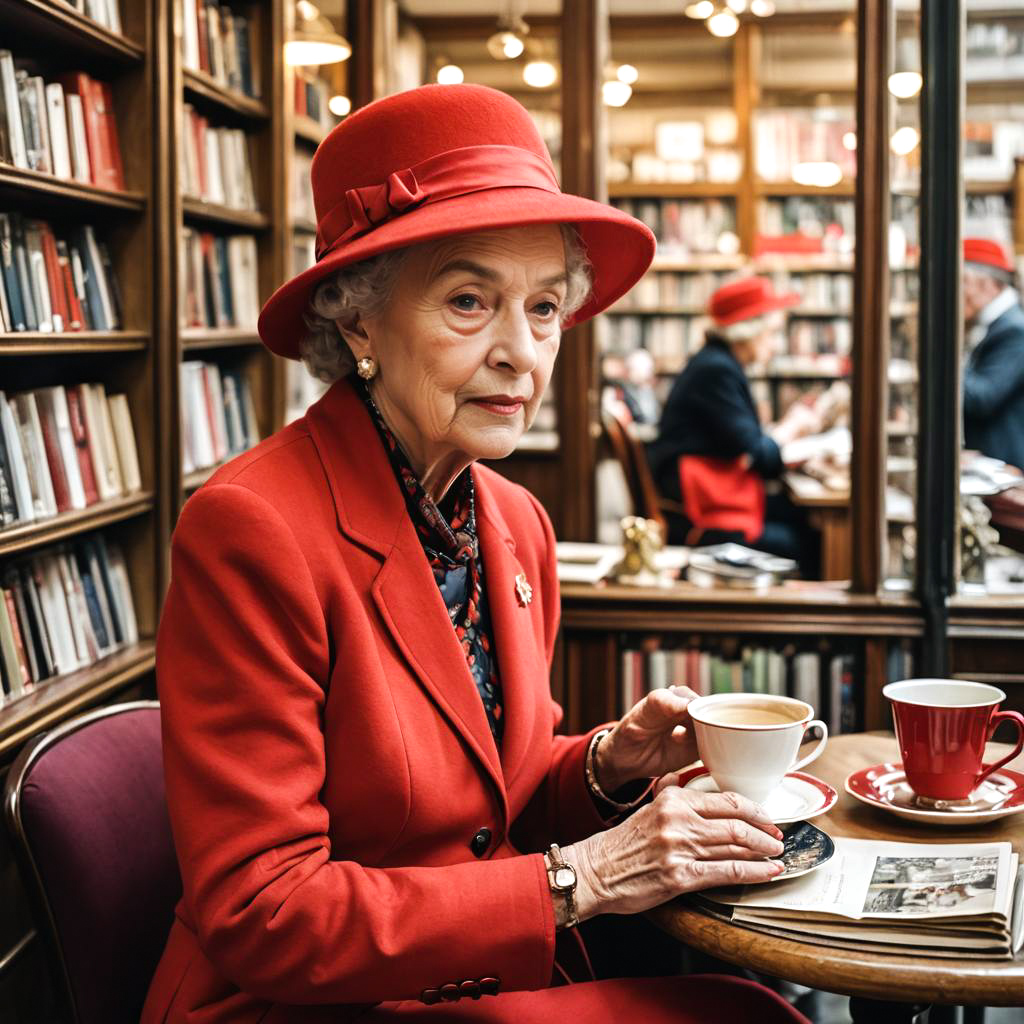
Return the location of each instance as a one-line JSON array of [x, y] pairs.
[[466, 346]]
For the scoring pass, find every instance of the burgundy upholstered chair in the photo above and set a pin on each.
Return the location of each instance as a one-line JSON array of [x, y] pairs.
[[85, 804]]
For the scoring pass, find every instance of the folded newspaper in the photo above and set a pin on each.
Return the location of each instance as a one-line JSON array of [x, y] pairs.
[[943, 900]]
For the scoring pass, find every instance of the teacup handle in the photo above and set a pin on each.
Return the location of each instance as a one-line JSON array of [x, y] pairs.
[[824, 738], [1003, 716]]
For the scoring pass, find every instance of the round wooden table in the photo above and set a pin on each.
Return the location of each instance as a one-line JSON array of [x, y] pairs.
[[905, 979]]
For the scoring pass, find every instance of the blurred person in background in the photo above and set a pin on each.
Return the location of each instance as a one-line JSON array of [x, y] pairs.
[[712, 454], [994, 342]]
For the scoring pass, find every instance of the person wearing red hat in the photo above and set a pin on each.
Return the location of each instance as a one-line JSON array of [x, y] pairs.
[[712, 454], [993, 396], [373, 816]]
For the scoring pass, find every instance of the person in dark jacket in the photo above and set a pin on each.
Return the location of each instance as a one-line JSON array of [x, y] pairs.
[[994, 370], [710, 418]]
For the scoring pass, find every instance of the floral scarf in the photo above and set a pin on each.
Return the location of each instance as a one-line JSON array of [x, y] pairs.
[[453, 551]]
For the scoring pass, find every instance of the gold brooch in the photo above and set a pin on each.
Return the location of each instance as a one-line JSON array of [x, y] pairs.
[[524, 592]]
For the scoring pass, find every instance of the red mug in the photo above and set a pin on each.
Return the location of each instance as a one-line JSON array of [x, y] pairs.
[[942, 726]]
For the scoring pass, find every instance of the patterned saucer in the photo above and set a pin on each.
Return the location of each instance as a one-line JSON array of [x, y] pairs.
[[798, 797], [885, 786]]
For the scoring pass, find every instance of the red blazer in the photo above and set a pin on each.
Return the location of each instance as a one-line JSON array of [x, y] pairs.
[[327, 756]]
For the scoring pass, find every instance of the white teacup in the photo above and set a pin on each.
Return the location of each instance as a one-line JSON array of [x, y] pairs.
[[749, 741]]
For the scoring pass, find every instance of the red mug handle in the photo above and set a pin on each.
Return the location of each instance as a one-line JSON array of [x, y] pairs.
[[1003, 716]]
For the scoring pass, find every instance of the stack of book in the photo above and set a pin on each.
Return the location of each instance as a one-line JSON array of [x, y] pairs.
[[785, 139], [63, 449], [219, 280], [216, 42], [106, 12], [66, 128], [955, 900], [55, 284], [671, 340], [218, 414], [61, 611], [823, 678], [690, 291], [215, 163]]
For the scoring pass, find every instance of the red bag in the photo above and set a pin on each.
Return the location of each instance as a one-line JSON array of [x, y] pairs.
[[722, 494]]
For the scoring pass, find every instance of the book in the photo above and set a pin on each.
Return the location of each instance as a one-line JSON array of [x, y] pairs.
[[951, 900], [81, 165], [12, 110]]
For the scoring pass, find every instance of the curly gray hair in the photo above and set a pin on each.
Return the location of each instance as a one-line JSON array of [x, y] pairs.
[[364, 289]]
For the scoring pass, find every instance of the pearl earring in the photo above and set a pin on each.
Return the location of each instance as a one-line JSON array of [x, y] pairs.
[[366, 368]]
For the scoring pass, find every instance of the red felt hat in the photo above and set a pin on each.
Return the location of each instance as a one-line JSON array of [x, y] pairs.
[[746, 298], [437, 161], [987, 253]]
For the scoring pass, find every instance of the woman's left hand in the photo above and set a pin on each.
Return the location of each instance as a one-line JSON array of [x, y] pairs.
[[653, 738]]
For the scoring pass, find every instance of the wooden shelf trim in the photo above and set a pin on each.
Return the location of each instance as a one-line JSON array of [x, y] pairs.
[[25, 536], [46, 16], [56, 700], [195, 338], [20, 343], [787, 189], [672, 190], [205, 87], [46, 185], [308, 130], [223, 216]]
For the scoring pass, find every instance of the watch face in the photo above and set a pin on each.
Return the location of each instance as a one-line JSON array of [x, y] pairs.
[[565, 877]]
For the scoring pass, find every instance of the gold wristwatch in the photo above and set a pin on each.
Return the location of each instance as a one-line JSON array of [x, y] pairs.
[[562, 879]]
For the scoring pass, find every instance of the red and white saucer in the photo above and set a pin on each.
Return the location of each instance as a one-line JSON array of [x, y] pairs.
[[798, 797], [885, 786]]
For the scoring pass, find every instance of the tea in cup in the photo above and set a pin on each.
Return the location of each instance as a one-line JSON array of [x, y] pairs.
[[942, 726], [749, 742]]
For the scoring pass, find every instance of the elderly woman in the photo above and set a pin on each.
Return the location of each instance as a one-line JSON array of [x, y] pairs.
[[364, 782], [712, 454]]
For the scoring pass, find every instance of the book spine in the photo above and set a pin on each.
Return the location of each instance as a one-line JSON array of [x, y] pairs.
[[12, 106], [113, 148], [81, 440], [19, 639], [51, 445], [10, 275]]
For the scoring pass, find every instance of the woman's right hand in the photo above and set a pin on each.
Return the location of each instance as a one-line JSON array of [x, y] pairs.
[[681, 842]]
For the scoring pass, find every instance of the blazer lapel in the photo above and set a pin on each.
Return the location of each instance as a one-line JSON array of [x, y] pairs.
[[371, 511], [514, 625]]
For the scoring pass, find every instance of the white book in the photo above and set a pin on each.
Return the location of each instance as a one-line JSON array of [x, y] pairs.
[[244, 276], [9, 654], [109, 443], [38, 279], [228, 168], [81, 165], [57, 399], [43, 498], [55, 610], [233, 414], [16, 458], [196, 418], [249, 414], [93, 401], [58, 121], [80, 609], [215, 405], [807, 678], [78, 633], [119, 579], [190, 35], [626, 672], [12, 104], [214, 174], [124, 438], [38, 90], [246, 186], [113, 21]]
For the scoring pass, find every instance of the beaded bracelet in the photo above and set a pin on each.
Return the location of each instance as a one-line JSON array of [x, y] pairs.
[[591, 776]]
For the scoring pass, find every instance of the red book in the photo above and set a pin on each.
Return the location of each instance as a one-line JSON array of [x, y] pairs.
[[79, 82], [58, 302], [76, 321], [204, 39], [58, 475], [110, 125], [12, 614], [80, 432], [199, 130]]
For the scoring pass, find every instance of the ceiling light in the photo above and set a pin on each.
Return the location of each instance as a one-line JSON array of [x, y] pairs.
[[627, 73], [450, 74], [700, 10], [339, 105], [616, 93], [306, 10], [850, 140], [723, 24], [762, 8], [904, 140], [736, 6], [509, 41], [315, 42], [817, 173], [540, 74]]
